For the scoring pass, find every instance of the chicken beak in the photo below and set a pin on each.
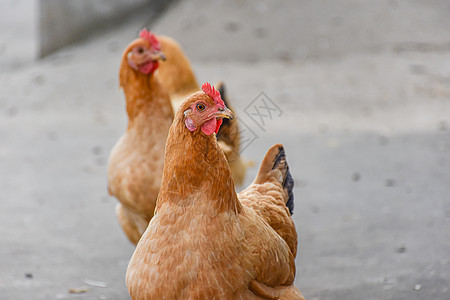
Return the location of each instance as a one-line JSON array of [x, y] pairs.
[[160, 55], [225, 113]]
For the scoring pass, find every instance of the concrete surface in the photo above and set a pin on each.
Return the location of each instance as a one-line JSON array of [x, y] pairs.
[[18, 33], [364, 96]]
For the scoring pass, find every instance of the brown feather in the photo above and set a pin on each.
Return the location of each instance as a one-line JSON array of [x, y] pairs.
[[176, 73]]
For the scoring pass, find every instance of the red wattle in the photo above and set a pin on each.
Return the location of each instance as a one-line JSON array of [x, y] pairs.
[[209, 126], [149, 67]]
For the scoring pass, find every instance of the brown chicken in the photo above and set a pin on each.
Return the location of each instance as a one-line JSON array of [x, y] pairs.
[[205, 241], [136, 161], [177, 77]]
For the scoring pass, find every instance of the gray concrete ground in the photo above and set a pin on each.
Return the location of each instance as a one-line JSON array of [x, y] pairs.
[[363, 89]]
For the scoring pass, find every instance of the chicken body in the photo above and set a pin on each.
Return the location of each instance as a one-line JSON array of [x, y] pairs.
[[204, 242], [176, 73], [194, 253], [136, 161]]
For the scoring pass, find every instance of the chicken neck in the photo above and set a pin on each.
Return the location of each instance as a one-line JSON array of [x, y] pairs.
[[144, 93], [195, 169]]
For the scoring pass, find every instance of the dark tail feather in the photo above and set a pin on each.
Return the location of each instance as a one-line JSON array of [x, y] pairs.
[[289, 186], [288, 181]]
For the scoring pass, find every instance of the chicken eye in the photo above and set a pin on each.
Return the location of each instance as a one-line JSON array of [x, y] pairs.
[[200, 106], [140, 50]]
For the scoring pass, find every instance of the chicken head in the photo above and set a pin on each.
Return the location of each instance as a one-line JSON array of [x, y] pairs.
[[206, 111], [145, 52]]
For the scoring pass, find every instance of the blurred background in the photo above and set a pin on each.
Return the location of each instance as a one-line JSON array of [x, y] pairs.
[[362, 92]]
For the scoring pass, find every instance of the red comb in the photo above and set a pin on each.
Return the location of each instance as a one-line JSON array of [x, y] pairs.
[[209, 90], [151, 38]]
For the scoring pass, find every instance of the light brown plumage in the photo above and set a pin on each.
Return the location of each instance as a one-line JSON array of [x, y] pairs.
[[176, 73], [136, 161], [204, 242]]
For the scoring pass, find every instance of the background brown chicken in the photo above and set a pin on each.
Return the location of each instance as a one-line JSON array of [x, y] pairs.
[[177, 77], [136, 161], [205, 241]]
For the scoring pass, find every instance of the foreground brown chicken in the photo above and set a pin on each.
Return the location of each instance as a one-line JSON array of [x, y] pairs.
[[136, 161], [205, 241], [177, 77]]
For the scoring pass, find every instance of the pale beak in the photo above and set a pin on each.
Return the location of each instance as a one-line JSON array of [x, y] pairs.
[[224, 113], [159, 55]]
